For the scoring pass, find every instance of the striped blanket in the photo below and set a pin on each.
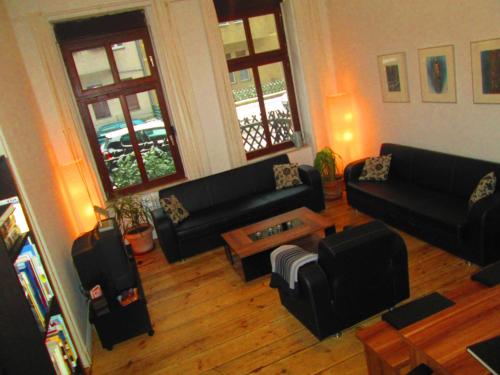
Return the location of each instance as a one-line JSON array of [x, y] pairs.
[[286, 261]]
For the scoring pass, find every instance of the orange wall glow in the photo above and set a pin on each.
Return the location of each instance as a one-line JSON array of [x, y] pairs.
[[344, 135], [78, 197]]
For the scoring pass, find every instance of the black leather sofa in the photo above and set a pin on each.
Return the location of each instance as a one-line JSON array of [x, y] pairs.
[[427, 196], [360, 272], [227, 200]]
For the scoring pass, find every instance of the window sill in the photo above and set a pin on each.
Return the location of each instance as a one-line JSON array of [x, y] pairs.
[[288, 150]]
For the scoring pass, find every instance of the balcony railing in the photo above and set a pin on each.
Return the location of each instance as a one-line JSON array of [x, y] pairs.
[[267, 88], [253, 134]]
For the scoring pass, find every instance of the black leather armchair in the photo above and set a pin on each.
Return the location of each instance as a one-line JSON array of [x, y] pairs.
[[360, 272]]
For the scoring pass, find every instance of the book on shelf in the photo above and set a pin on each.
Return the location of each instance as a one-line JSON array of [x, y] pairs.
[[29, 261], [9, 231], [35, 283], [5, 212], [33, 302], [57, 356], [57, 332]]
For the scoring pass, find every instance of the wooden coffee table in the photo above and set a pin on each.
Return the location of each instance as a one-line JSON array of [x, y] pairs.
[[248, 248], [441, 340]]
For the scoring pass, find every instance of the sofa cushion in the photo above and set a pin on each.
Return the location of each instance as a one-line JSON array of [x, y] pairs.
[[467, 174], [286, 175], [444, 210], [287, 199], [376, 168], [401, 161], [433, 170], [174, 209], [485, 187], [224, 217], [264, 169], [194, 195], [231, 185], [200, 194]]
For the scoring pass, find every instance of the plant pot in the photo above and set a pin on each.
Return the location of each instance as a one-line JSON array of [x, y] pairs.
[[332, 189], [140, 238]]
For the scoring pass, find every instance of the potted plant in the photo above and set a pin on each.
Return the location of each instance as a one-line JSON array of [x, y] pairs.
[[326, 163], [133, 218]]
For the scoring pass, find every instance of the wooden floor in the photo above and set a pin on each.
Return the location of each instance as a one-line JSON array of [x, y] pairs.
[[207, 320]]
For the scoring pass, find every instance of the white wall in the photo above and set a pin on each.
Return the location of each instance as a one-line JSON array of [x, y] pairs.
[[39, 109], [364, 29], [26, 144]]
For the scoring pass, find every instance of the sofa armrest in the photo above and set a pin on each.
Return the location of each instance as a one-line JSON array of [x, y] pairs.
[[310, 176], [167, 237], [483, 207], [313, 304], [353, 170], [484, 215]]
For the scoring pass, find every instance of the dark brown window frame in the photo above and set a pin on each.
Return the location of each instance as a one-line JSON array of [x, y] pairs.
[[120, 89], [254, 60]]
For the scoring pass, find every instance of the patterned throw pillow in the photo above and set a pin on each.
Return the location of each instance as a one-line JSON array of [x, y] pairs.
[[174, 209], [376, 168], [286, 175], [484, 188]]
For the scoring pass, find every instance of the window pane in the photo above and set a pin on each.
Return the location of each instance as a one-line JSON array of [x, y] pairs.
[[264, 35], [248, 112], [116, 147], [279, 118], [151, 135], [93, 67], [234, 39], [131, 59]]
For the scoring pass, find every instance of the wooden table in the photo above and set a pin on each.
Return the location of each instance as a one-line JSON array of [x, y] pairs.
[[250, 256], [440, 341]]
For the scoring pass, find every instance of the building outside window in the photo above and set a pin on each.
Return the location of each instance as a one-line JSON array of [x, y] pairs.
[[116, 84], [255, 47]]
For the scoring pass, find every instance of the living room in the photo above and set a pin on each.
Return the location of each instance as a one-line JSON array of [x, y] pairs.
[[333, 48]]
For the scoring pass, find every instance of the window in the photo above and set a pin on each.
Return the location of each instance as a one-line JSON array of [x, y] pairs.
[[232, 77], [116, 85], [256, 52]]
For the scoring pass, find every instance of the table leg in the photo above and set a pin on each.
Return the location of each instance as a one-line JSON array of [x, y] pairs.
[[376, 366], [229, 256]]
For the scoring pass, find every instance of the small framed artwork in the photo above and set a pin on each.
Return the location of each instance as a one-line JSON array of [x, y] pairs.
[[393, 77], [437, 74], [486, 71]]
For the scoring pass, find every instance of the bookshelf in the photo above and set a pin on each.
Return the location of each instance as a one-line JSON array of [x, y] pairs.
[[35, 338]]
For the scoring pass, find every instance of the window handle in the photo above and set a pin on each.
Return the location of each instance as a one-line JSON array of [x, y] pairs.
[[171, 139], [151, 60]]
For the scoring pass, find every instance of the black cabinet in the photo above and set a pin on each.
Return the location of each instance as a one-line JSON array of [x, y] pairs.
[[34, 338], [123, 322], [103, 261]]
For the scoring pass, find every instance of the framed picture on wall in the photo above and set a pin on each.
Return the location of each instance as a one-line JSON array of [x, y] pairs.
[[486, 71], [437, 74], [393, 77]]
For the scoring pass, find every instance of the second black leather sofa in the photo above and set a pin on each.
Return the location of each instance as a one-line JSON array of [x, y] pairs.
[[231, 199], [427, 194]]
